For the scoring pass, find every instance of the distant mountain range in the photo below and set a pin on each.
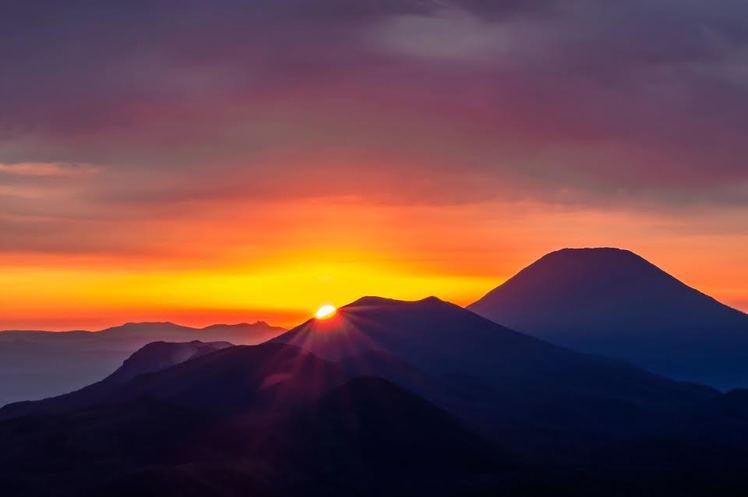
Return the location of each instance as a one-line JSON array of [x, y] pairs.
[[613, 302], [39, 364], [385, 398]]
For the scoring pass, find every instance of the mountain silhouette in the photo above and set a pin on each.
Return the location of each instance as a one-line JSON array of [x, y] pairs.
[[160, 355], [40, 364], [486, 372], [385, 398], [151, 358], [268, 419], [401, 443], [217, 379], [613, 302]]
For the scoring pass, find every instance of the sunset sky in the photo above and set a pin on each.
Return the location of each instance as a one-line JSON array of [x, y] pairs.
[[161, 160]]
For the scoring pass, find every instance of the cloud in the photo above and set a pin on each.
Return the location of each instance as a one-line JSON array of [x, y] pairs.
[[182, 107], [41, 169], [449, 34]]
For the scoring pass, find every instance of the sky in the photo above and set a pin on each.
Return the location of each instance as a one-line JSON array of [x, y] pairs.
[[232, 160]]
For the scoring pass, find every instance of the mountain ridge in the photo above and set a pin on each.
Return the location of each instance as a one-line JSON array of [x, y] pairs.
[[150, 358], [40, 364], [469, 408], [137, 325], [481, 364], [614, 302]]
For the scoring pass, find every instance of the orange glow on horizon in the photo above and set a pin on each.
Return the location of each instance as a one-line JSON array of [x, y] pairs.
[[341, 248]]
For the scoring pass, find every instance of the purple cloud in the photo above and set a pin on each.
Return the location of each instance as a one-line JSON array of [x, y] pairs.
[[639, 103]]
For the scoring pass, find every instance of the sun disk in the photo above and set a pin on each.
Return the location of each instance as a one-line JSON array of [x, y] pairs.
[[326, 311]]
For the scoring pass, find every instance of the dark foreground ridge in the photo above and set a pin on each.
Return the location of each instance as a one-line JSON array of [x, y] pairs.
[[385, 398]]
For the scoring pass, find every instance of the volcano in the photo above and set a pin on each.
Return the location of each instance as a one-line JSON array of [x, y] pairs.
[[614, 302]]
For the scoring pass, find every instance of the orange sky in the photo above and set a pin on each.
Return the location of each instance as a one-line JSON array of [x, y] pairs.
[[223, 163], [222, 266]]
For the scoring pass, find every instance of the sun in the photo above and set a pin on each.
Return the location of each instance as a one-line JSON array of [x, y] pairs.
[[326, 311]]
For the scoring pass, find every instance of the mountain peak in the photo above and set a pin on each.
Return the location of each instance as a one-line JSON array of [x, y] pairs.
[[607, 265], [150, 358], [371, 300], [377, 324], [606, 279], [160, 355], [614, 302], [593, 255], [612, 252], [133, 326], [148, 323]]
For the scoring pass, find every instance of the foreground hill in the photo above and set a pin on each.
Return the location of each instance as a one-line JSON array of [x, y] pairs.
[[613, 302], [39, 364], [153, 357], [263, 420], [404, 398]]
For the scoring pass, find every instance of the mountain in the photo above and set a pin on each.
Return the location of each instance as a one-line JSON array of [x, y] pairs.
[[151, 358], [161, 355], [216, 379], [613, 302], [370, 436], [404, 398], [261, 420], [493, 375], [39, 364]]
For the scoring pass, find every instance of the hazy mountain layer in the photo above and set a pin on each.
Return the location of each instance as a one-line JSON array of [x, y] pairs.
[[39, 364]]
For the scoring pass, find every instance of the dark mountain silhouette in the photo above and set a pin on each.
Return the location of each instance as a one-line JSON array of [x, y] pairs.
[[403, 444], [153, 357], [39, 364], [470, 408], [613, 302], [160, 355], [492, 375], [260, 420], [225, 379]]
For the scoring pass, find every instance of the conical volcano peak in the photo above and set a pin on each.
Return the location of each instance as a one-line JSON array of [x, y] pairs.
[[614, 302], [576, 269], [594, 258], [611, 253]]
